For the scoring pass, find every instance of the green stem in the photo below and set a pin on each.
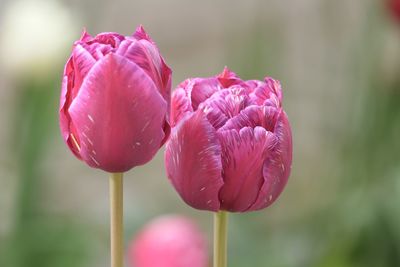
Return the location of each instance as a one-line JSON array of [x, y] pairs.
[[220, 238]]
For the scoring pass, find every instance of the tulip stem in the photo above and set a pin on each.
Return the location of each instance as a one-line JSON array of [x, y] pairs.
[[220, 238], [116, 216]]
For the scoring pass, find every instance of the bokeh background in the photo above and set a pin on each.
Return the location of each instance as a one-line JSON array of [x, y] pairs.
[[339, 64]]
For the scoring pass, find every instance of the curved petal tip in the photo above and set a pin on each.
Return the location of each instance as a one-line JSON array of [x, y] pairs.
[[85, 36], [228, 78], [140, 34]]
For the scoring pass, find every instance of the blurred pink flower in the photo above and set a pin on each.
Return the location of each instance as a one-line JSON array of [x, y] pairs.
[[231, 144], [115, 100], [394, 6], [169, 241]]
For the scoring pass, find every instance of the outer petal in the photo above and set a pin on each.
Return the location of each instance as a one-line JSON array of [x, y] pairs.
[[82, 61], [145, 54], [119, 115], [193, 162], [181, 106], [243, 157], [277, 166], [68, 132]]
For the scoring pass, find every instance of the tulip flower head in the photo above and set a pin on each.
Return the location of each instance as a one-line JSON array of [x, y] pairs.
[[115, 100], [231, 144], [169, 241]]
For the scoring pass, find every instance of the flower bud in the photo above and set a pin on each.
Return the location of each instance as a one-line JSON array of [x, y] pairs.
[[115, 100], [169, 241]]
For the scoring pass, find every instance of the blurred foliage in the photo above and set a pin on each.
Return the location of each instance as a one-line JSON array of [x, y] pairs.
[[39, 238]]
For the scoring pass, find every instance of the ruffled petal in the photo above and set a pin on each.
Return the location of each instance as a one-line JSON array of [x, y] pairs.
[[277, 166], [201, 89], [223, 105], [243, 154], [228, 78], [193, 162], [252, 116], [181, 106], [267, 92], [119, 115]]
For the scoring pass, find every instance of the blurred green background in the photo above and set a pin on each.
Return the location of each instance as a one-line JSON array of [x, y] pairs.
[[339, 64]]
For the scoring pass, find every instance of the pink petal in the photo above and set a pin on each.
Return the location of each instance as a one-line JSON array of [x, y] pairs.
[[141, 34], [67, 130], [109, 38], [201, 89], [268, 93], [119, 115], [253, 116], [85, 36], [82, 61], [169, 241], [223, 105], [146, 55], [181, 106], [193, 162], [228, 78], [244, 153], [277, 167]]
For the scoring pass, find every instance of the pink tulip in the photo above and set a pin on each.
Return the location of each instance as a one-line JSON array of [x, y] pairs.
[[115, 100], [169, 241], [394, 6], [231, 144]]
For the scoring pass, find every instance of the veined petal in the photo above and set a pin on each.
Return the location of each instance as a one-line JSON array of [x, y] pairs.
[[119, 115], [82, 61], [277, 166], [146, 55], [201, 89], [228, 78], [193, 162], [243, 154], [181, 106], [223, 105], [67, 129], [267, 92], [141, 34], [85, 36], [252, 116]]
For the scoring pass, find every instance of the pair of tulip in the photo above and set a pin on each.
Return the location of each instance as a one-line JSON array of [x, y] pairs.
[[230, 146]]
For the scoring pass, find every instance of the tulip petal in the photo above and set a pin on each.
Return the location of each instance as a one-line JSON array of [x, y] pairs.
[[146, 55], [277, 167], [267, 93], [141, 34], [120, 101], [193, 162], [181, 106], [252, 116], [223, 105], [83, 61], [228, 78], [201, 89], [243, 154]]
